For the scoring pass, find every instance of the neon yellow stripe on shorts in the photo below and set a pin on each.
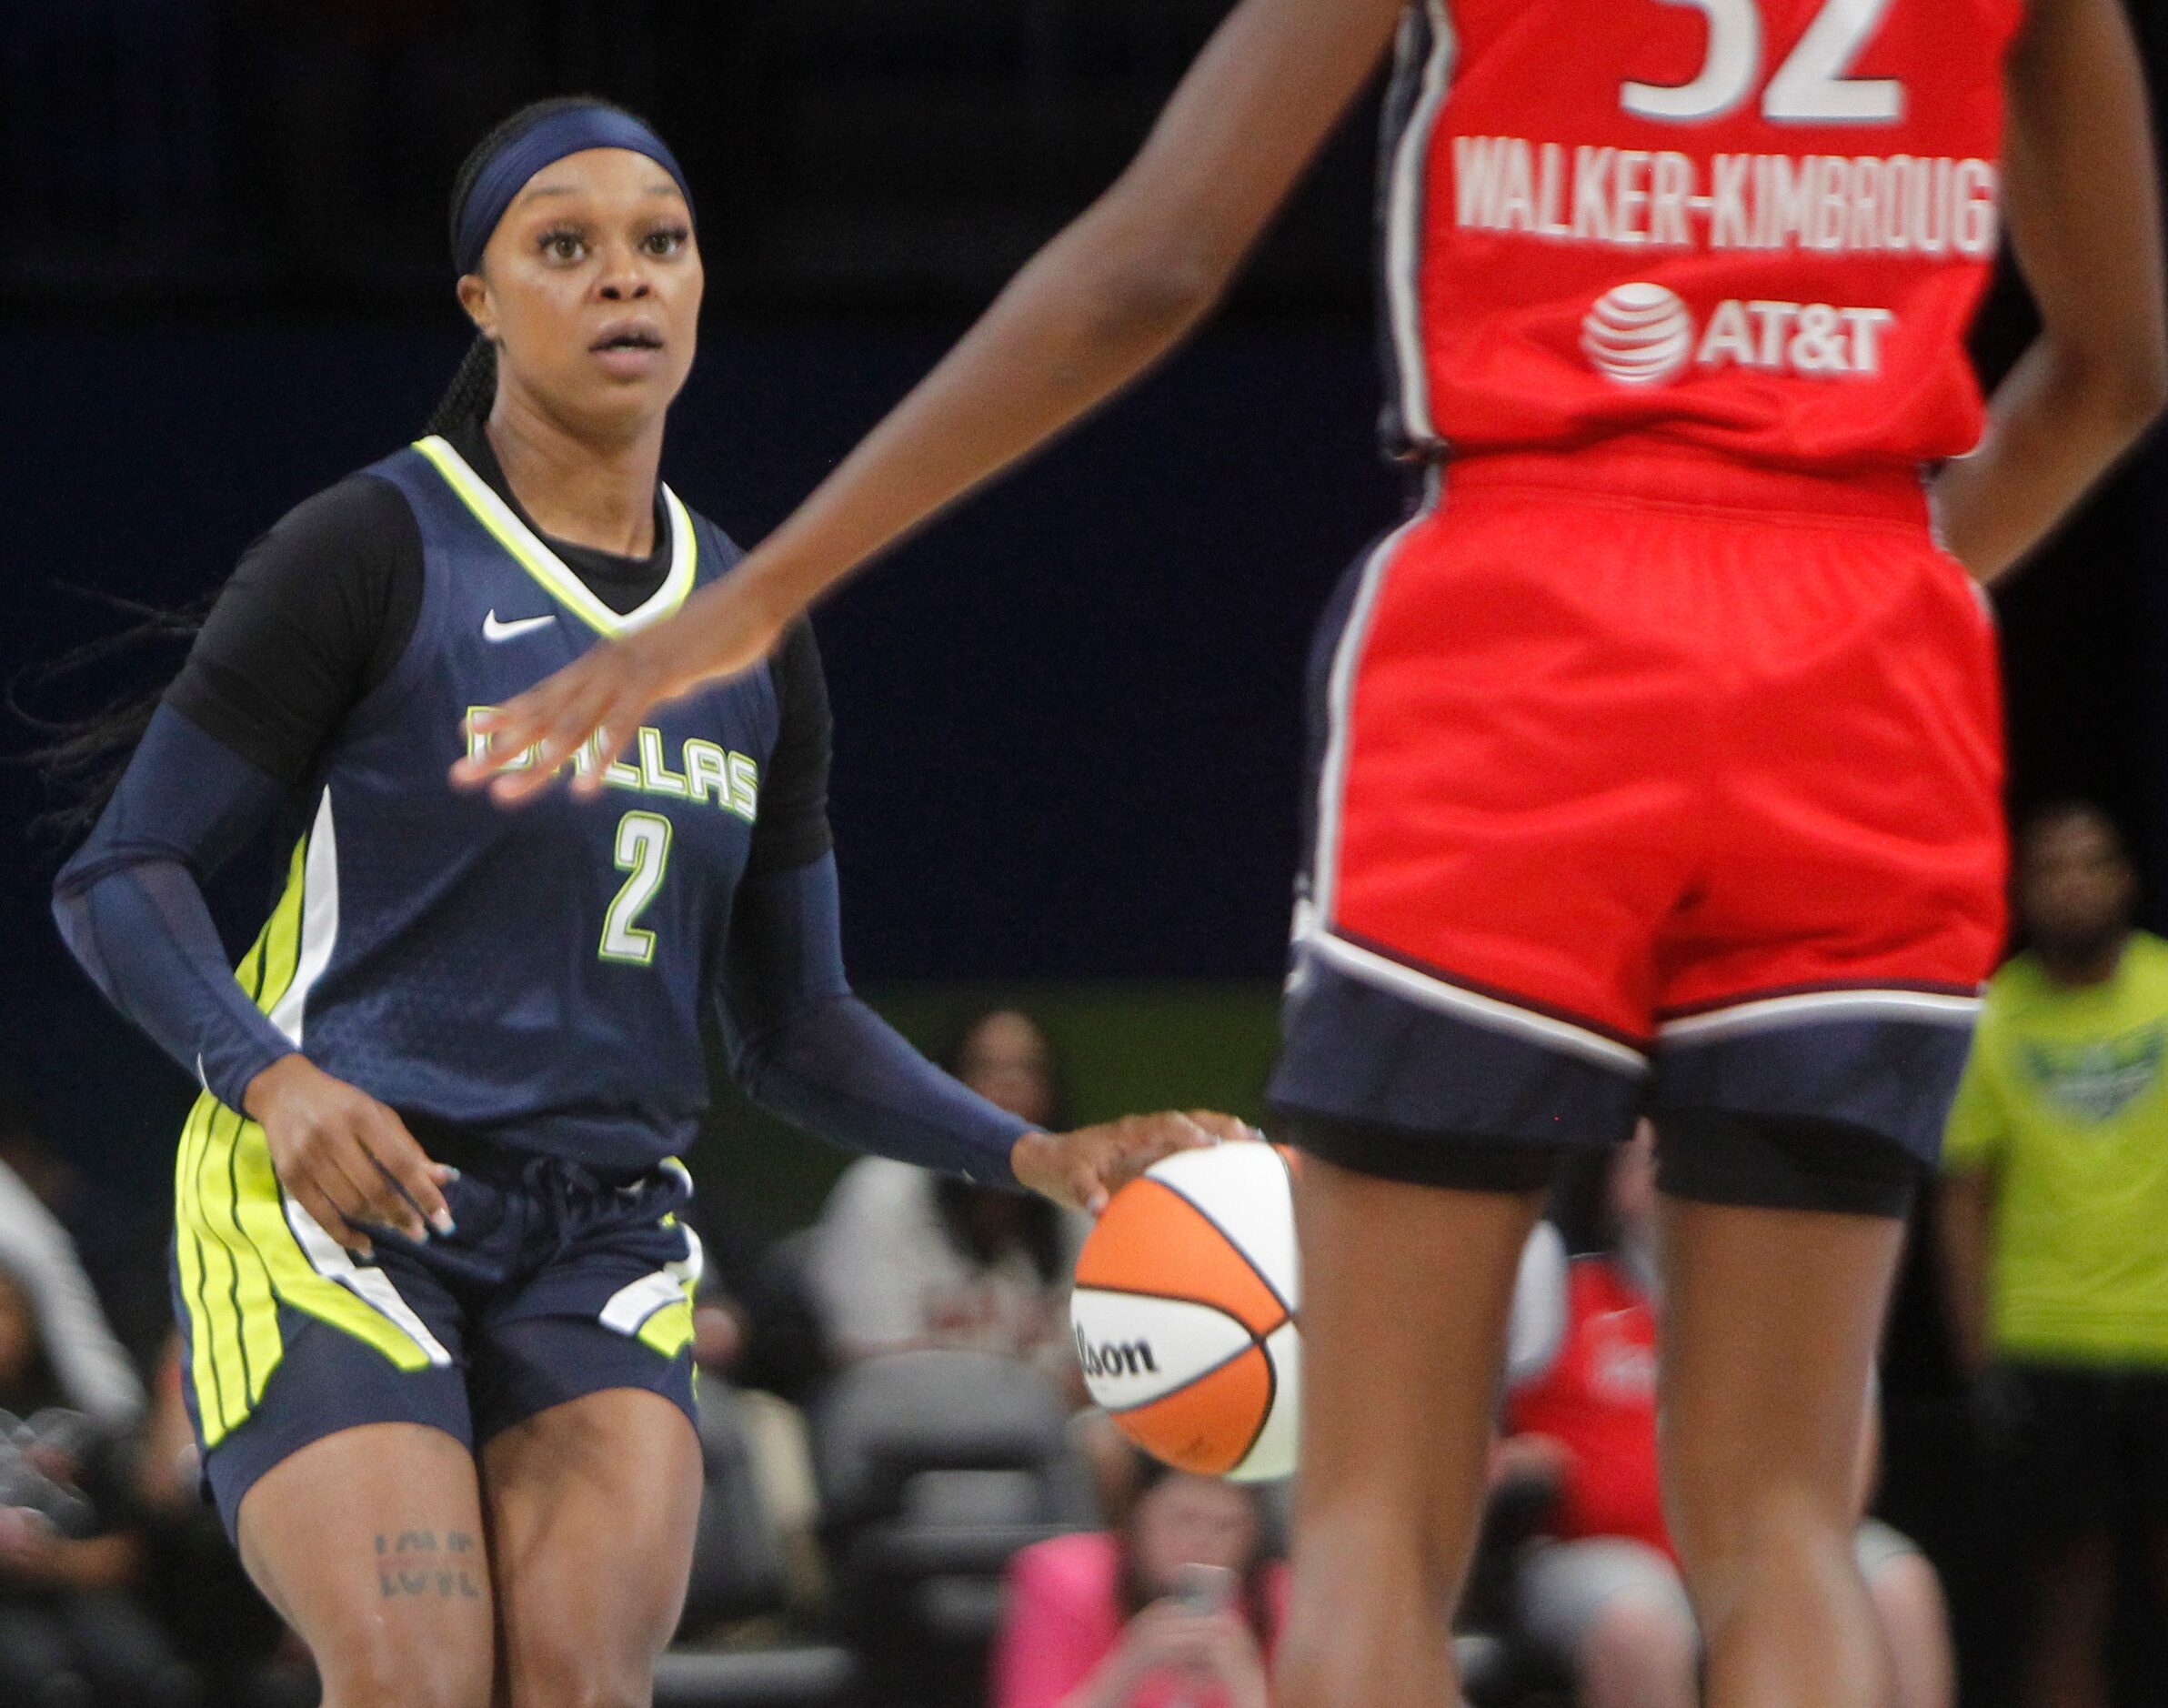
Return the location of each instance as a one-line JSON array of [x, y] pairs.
[[238, 1258], [188, 1244]]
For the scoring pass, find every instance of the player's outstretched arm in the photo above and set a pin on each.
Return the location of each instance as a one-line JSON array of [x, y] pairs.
[[1099, 305], [2083, 208], [801, 1042]]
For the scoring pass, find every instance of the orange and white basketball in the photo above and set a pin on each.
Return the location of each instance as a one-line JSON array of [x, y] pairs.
[[1184, 1313]]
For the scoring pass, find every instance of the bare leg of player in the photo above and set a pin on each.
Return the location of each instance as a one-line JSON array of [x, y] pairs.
[[369, 1544], [1405, 1295], [592, 1507], [1771, 1322]]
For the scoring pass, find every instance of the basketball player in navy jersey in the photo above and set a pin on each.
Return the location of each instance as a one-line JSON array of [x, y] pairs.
[[429, 1256]]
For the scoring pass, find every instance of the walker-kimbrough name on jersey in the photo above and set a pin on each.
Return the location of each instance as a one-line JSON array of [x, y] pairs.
[[1642, 198], [706, 771]]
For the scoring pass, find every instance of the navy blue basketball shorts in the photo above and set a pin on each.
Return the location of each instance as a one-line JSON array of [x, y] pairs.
[[559, 1281], [1625, 809]]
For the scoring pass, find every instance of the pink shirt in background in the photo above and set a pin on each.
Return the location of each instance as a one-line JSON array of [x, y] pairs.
[[1064, 1618]]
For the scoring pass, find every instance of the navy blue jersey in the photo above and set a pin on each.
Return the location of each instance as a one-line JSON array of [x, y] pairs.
[[535, 975], [529, 979]]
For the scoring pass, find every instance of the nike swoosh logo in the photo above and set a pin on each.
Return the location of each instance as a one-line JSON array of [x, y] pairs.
[[493, 630]]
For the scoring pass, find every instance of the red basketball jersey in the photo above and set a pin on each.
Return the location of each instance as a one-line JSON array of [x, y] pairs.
[[1599, 1398], [1758, 227]]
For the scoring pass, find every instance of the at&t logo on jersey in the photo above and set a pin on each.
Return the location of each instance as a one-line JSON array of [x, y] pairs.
[[1639, 335], [1644, 335]]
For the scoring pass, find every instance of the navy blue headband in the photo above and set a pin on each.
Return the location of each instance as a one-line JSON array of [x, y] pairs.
[[567, 131]]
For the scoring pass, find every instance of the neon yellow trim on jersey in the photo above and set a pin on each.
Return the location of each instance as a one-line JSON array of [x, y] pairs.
[[532, 554], [278, 947], [239, 1257]]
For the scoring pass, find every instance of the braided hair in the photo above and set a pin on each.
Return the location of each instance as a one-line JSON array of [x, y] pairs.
[[81, 759]]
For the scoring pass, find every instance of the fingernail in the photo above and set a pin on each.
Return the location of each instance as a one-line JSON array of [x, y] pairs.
[[449, 1173], [442, 1222]]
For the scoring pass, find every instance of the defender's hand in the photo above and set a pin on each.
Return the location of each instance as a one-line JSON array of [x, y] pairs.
[[596, 701], [346, 1157], [1082, 1170]]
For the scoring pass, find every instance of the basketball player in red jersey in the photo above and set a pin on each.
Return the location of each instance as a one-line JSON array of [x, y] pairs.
[[1656, 757]]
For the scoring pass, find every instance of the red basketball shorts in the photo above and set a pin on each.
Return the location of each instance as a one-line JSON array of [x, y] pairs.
[[1645, 782]]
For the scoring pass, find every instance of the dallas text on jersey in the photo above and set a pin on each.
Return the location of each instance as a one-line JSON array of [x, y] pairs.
[[705, 770]]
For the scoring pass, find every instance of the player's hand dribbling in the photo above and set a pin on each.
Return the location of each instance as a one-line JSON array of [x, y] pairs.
[[346, 1159], [1082, 1170], [601, 697]]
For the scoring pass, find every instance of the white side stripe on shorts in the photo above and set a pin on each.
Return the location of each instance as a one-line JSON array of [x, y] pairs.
[[1340, 700], [1367, 967], [1766, 1013], [331, 1259], [633, 1303]]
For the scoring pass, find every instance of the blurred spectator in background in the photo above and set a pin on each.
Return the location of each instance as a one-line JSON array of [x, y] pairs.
[[1598, 1595], [2054, 1237], [91, 1371], [754, 1319], [71, 1546], [905, 1259], [759, 1347], [193, 1580], [1177, 1607]]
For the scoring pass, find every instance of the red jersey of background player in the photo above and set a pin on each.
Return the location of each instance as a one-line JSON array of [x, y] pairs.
[[1756, 226], [1597, 1397]]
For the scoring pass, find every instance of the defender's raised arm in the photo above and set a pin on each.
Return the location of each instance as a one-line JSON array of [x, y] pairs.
[[1098, 307]]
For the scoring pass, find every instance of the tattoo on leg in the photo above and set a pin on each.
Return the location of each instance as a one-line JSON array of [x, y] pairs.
[[412, 1562]]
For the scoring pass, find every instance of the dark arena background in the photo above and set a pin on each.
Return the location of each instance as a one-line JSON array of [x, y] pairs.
[[1066, 720]]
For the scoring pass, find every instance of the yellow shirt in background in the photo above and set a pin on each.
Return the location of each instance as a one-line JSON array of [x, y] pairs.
[[2064, 1103]]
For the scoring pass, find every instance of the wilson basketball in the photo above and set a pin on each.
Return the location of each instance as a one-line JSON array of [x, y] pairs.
[[1184, 1313]]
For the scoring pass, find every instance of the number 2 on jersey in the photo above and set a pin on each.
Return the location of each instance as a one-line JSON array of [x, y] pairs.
[[1809, 88], [643, 849]]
